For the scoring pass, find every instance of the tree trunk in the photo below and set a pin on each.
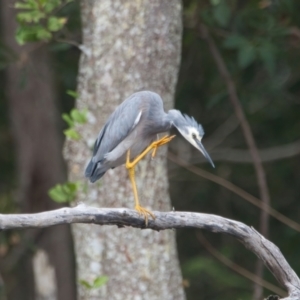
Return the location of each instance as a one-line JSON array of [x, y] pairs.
[[31, 95], [128, 46]]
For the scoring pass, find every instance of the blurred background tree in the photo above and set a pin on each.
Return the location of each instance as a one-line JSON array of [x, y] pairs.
[[259, 44]]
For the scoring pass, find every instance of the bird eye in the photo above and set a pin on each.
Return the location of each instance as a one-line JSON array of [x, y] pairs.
[[194, 136]]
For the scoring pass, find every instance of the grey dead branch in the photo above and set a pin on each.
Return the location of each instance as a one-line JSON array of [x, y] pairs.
[[248, 236]]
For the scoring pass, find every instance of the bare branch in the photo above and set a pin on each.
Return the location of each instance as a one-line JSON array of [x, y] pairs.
[[235, 189], [260, 173], [237, 268], [252, 240], [243, 156], [222, 132], [261, 178]]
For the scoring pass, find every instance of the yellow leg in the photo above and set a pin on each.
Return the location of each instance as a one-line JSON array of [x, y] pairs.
[[166, 139], [141, 210], [131, 170]]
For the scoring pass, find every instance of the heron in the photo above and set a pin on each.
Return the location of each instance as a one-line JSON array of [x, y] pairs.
[[131, 132]]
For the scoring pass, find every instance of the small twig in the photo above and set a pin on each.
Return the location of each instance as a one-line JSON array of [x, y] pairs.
[[237, 190], [295, 31], [222, 132], [235, 267], [260, 173], [243, 156], [69, 42], [252, 240]]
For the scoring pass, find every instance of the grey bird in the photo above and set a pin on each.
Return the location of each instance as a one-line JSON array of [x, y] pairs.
[[131, 132]]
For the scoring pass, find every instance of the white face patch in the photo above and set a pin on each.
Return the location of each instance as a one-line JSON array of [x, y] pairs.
[[191, 136], [194, 133]]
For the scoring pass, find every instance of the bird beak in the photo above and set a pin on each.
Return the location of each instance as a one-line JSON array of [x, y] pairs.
[[204, 152]]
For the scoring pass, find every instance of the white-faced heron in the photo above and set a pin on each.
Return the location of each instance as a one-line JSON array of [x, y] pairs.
[[131, 132]]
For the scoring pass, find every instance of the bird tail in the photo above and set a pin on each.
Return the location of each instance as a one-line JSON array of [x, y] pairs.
[[94, 171]]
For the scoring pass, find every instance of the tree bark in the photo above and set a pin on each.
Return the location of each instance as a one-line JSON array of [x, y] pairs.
[[128, 46], [31, 95]]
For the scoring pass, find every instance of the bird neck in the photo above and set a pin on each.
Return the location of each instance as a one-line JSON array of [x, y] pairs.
[[174, 117]]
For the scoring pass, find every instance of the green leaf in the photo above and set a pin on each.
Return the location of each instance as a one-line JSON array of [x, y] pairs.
[[27, 34], [215, 2], [56, 193], [31, 16], [72, 134], [234, 41], [50, 5], [55, 24], [22, 35], [79, 116], [43, 34], [85, 284], [246, 50], [222, 13], [64, 192], [68, 119], [71, 187], [22, 5], [267, 53], [246, 55], [24, 17], [27, 4], [99, 281], [72, 94]]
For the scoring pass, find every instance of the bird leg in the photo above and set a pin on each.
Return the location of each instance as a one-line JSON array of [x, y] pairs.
[[164, 140], [131, 170]]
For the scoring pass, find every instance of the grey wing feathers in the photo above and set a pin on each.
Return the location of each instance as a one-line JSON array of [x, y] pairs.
[[122, 121], [91, 167]]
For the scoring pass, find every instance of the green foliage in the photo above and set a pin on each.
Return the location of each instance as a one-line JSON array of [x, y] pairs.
[[63, 193], [55, 24], [97, 283], [72, 94], [221, 13], [75, 117], [72, 134], [37, 21], [249, 51], [78, 116], [218, 274], [254, 34], [259, 44], [7, 204]]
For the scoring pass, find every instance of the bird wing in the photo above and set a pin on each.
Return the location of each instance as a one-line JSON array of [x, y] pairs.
[[119, 125]]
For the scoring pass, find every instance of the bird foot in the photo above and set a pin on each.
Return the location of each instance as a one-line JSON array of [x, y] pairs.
[[130, 164], [144, 212], [164, 140]]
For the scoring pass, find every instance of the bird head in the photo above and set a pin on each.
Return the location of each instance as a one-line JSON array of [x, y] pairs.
[[190, 130]]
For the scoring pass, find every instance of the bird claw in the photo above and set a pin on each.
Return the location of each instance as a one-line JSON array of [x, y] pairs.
[[164, 140], [154, 152], [144, 212]]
